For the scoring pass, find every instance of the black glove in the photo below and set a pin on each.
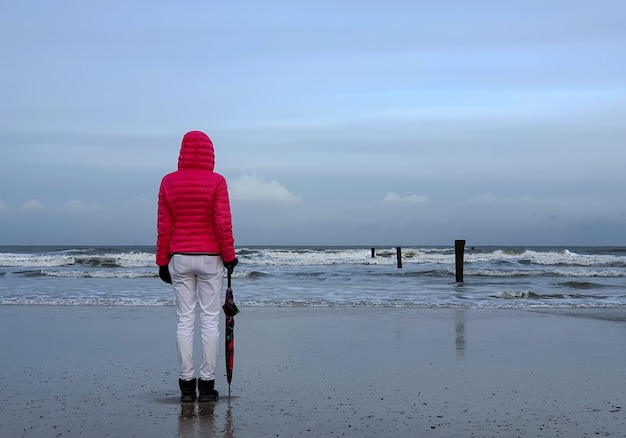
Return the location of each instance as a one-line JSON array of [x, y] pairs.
[[231, 265], [164, 274]]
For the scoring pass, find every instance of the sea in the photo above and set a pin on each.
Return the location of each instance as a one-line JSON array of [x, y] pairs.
[[493, 276]]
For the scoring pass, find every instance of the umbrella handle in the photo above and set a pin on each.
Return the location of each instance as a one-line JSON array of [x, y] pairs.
[[228, 271]]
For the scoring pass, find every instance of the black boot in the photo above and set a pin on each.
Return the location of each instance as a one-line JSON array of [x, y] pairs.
[[207, 393], [187, 390]]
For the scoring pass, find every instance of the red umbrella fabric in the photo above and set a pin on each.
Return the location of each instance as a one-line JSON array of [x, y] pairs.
[[230, 310]]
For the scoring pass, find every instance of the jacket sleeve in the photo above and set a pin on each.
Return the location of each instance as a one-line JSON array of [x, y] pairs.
[[164, 229], [223, 222]]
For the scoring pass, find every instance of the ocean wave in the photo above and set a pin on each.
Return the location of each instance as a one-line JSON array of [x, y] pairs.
[[570, 258], [104, 260], [529, 295], [304, 257], [513, 302], [602, 273], [25, 260], [278, 256], [87, 274], [319, 277], [87, 301], [582, 285], [256, 274]]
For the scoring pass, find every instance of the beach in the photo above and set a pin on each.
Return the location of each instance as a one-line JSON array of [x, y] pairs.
[[69, 371]]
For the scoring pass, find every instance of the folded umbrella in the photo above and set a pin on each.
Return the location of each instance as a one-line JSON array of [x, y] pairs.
[[230, 310]]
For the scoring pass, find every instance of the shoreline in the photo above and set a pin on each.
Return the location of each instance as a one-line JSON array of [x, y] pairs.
[[318, 371]]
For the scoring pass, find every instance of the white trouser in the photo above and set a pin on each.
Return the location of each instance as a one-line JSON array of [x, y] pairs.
[[197, 279]]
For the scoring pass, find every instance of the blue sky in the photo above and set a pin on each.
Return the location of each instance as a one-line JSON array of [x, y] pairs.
[[334, 122]]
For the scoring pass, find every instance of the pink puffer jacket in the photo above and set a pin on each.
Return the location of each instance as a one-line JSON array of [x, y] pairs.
[[194, 210]]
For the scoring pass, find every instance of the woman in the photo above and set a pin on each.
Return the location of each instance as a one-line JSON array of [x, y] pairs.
[[194, 245]]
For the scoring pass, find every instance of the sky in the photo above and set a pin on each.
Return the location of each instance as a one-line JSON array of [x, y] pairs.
[[340, 122]]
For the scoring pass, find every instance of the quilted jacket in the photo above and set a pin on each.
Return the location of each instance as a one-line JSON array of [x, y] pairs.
[[193, 208]]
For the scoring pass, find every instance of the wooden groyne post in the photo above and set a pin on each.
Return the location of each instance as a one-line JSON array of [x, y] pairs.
[[459, 251], [399, 256], [373, 252]]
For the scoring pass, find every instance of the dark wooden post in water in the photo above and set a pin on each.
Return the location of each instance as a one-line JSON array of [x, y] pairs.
[[399, 256], [459, 251], [373, 253]]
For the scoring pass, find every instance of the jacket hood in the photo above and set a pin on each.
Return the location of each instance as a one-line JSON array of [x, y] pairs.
[[196, 152]]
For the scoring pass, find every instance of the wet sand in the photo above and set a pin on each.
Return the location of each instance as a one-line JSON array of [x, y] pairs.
[[318, 372]]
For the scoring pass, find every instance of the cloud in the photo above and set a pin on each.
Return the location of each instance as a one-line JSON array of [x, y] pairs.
[[486, 198], [32, 205], [250, 187], [393, 198], [80, 206], [3, 207]]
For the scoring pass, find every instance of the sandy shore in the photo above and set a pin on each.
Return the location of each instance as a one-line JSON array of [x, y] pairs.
[[318, 372]]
